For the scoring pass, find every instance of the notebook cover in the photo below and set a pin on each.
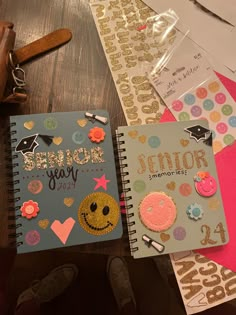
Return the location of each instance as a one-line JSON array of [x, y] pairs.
[[173, 193], [226, 168], [66, 191]]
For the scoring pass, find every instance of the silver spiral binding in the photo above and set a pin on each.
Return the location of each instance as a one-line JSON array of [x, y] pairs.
[[127, 198], [13, 183]]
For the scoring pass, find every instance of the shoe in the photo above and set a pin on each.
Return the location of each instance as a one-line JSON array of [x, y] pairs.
[[54, 284], [118, 276]]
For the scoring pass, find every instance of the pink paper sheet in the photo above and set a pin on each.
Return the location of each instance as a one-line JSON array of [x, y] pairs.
[[226, 167]]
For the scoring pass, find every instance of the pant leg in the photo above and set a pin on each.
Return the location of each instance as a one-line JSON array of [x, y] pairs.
[[28, 308], [7, 257], [128, 309]]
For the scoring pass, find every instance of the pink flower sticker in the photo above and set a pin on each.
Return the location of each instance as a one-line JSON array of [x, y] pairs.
[[29, 209]]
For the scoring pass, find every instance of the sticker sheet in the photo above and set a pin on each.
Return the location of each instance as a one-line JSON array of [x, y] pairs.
[[128, 47], [65, 184], [203, 283], [191, 90], [171, 166]]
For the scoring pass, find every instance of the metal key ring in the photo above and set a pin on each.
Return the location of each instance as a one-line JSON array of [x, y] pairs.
[[10, 54]]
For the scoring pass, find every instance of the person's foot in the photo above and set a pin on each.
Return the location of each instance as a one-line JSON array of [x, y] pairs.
[[54, 284], [118, 276]]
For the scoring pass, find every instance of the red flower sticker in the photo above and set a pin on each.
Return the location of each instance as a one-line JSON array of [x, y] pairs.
[[96, 134], [29, 209]]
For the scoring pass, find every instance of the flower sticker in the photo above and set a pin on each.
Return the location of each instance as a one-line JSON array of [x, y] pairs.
[[29, 209], [96, 134], [195, 211]]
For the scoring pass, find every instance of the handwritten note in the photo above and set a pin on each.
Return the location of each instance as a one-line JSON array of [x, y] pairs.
[[202, 282], [129, 48]]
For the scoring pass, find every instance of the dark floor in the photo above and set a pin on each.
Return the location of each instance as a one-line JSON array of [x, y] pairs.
[[91, 293]]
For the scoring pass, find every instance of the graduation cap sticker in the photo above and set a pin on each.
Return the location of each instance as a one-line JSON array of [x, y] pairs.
[[29, 144], [198, 133]]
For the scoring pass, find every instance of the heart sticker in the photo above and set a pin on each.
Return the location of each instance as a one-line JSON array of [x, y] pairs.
[[69, 201], [171, 186], [29, 125], [43, 224], [184, 142], [164, 237], [133, 134], [142, 139], [63, 230], [82, 122], [57, 140]]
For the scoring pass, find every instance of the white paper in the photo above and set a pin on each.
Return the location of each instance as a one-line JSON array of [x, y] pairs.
[[225, 10], [209, 32]]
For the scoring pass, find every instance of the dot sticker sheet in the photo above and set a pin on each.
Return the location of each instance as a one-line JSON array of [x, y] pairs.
[[209, 101], [191, 90]]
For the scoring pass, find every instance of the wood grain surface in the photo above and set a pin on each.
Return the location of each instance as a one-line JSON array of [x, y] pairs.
[[74, 77]]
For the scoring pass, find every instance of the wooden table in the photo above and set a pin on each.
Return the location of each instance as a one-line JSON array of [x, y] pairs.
[[74, 77]]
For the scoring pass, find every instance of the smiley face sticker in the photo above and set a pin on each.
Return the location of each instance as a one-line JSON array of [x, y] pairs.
[[157, 211], [205, 184], [98, 213]]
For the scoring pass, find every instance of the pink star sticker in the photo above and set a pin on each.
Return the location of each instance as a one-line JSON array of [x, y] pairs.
[[101, 182]]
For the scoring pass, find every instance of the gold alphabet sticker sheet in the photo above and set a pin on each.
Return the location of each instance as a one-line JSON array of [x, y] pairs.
[[203, 283], [128, 48]]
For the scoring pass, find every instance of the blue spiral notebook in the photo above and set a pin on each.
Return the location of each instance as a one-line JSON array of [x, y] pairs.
[[64, 177]]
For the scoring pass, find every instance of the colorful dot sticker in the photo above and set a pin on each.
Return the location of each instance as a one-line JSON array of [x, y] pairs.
[[221, 127], [227, 109], [139, 186], [208, 104], [189, 99], [196, 111], [50, 123], [228, 139], [213, 203], [154, 142], [185, 189], [177, 105], [217, 146], [232, 121], [32, 238], [184, 116], [220, 98], [179, 233], [214, 87], [78, 137], [215, 116], [35, 186], [201, 92]]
